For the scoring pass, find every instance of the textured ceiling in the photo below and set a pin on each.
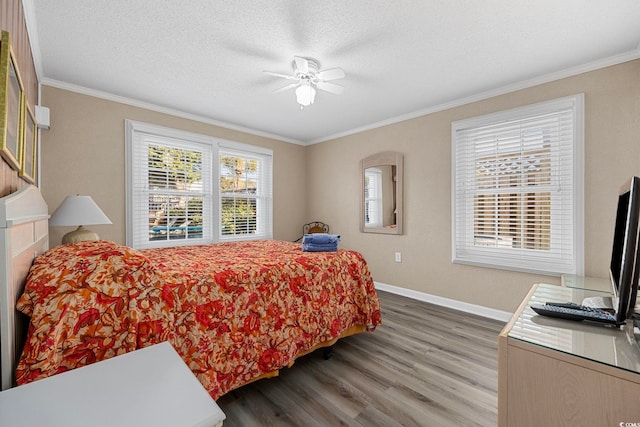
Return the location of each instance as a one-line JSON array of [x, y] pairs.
[[205, 58]]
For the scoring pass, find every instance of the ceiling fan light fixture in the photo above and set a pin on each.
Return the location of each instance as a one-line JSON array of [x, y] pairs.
[[305, 93], [308, 78]]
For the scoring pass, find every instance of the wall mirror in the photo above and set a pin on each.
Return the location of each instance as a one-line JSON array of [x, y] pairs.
[[381, 196]]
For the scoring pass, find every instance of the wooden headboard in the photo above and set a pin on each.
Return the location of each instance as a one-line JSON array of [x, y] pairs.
[[23, 235]]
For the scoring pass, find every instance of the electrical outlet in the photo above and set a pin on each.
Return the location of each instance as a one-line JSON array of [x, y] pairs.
[[398, 257]]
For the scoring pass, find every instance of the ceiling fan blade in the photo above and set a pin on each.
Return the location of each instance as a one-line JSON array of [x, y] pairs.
[[287, 87], [301, 64], [284, 76], [331, 87], [331, 74]]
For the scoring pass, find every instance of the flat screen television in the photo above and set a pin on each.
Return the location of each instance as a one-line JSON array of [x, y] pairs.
[[624, 268], [625, 264]]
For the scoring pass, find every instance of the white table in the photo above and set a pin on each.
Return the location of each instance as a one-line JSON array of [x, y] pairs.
[[147, 387]]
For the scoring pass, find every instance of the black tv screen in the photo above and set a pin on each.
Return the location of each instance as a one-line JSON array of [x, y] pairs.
[[624, 266]]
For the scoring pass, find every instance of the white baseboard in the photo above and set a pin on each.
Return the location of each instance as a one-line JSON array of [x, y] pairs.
[[446, 302]]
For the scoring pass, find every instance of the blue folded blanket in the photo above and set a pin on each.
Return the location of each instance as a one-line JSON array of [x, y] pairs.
[[321, 238], [321, 247], [320, 242]]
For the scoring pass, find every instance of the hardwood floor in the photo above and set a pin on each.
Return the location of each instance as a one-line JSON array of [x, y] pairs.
[[425, 366]]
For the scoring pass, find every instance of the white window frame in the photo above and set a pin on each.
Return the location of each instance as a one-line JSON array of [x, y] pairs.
[[264, 196], [566, 254], [137, 196]]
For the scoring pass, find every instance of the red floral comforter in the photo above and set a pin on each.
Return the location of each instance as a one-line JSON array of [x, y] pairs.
[[234, 311]]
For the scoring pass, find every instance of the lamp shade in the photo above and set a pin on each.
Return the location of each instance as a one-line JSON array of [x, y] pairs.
[[78, 210], [305, 93]]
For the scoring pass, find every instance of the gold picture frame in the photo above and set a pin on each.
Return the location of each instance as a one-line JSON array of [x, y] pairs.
[[28, 144], [11, 100]]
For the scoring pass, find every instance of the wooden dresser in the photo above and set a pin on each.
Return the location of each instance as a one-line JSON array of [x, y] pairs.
[[554, 372]]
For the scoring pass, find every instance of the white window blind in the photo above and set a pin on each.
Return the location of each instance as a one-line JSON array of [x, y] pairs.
[[517, 190], [186, 189], [246, 195]]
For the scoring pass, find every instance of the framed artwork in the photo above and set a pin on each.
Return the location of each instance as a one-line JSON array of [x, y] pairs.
[[11, 100], [29, 144]]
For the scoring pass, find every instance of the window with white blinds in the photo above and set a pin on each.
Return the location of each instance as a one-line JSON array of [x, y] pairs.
[[186, 189], [518, 188], [246, 195]]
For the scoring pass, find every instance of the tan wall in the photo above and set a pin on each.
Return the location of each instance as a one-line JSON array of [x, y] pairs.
[[84, 153], [612, 154]]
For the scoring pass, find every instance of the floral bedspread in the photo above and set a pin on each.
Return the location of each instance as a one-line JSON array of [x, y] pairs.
[[233, 311]]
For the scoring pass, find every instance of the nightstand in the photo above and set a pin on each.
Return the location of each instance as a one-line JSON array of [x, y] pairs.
[[148, 387]]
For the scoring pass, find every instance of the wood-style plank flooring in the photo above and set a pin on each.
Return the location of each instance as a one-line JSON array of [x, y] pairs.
[[425, 366]]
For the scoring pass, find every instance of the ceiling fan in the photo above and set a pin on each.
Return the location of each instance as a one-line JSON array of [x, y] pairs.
[[307, 77]]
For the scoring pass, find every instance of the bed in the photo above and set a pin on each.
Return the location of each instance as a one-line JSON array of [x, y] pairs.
[[235, 312]]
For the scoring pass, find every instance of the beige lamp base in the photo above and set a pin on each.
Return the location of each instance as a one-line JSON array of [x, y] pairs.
[[80, 234]]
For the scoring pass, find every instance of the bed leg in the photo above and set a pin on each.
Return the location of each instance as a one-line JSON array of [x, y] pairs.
[[327, 353]]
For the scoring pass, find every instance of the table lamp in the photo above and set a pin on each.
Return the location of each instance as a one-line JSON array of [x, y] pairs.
[[78, 210]]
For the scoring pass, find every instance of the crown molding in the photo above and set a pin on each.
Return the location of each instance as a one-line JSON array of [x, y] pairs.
[[546, 78], [170, 111]]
